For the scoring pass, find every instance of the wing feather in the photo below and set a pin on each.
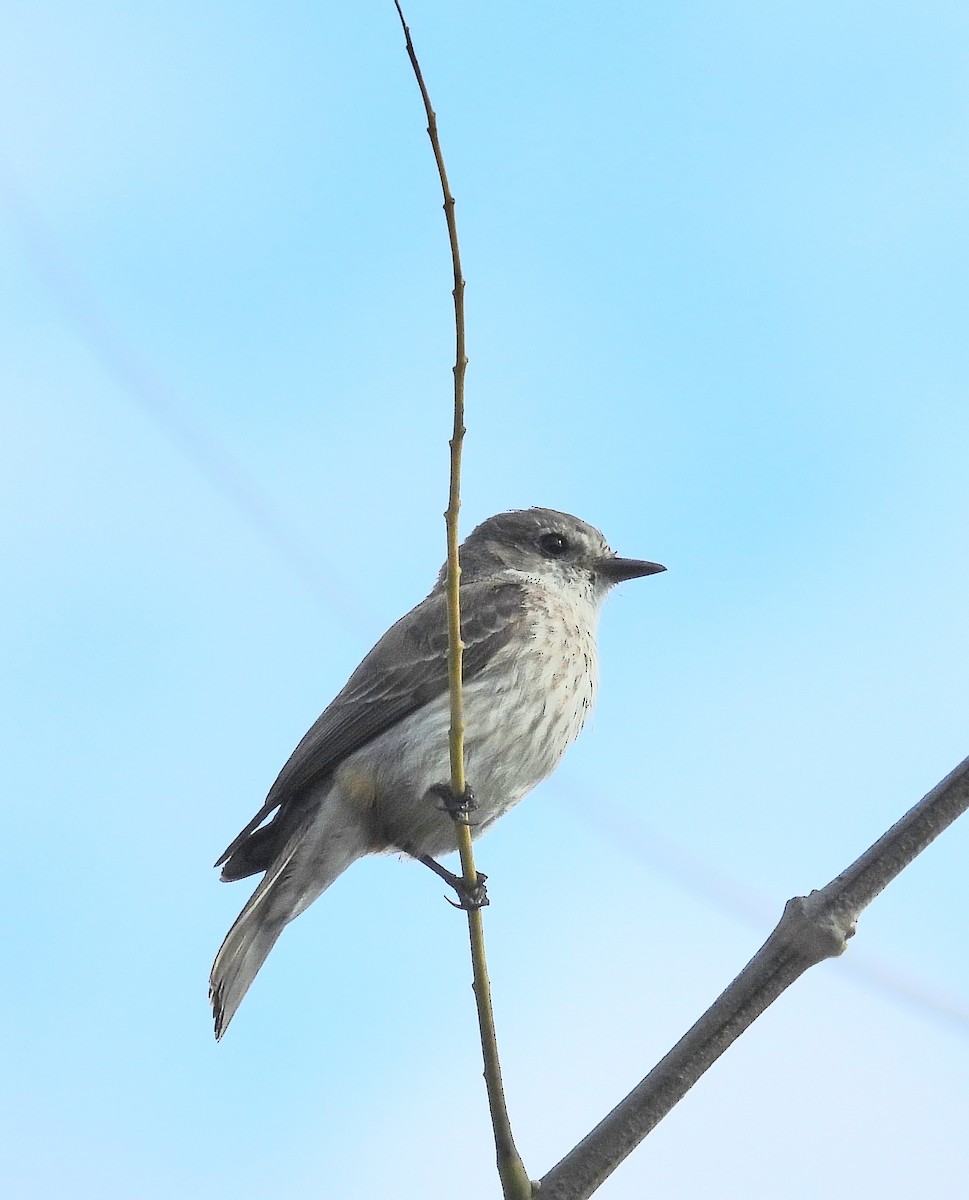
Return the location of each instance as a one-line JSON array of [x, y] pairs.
[[405, 670]]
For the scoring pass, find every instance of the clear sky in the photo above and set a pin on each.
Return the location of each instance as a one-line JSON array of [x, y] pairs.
[[717, 293]]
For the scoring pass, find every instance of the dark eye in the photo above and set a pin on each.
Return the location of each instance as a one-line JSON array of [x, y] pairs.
[[554, 544]]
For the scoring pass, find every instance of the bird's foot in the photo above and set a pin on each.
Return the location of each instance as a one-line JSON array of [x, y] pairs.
[[469, 898], [458, 808]]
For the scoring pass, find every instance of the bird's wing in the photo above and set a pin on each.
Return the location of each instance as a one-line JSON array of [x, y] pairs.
[[405, 670]]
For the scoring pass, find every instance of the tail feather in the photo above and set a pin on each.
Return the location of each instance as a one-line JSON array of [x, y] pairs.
[[246, 946], [310, 861]]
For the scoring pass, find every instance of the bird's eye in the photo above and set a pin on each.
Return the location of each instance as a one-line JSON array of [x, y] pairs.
[[554, 544]]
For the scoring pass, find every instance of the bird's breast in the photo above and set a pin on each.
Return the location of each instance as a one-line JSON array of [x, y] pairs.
[[522, 709], [525, 708]]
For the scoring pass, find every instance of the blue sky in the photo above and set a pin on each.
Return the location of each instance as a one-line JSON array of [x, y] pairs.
[[716, 259]]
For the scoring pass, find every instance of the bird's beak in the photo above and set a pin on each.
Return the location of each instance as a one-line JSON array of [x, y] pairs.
[[617, 569]]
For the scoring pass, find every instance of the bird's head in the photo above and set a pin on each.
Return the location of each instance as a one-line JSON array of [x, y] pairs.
[[548, 545]]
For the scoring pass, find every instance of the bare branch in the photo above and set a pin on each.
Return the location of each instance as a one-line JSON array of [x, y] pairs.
[[514, 1179], [812, 928]]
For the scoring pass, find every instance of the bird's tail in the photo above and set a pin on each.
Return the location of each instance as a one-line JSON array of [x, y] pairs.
[[308, 863]]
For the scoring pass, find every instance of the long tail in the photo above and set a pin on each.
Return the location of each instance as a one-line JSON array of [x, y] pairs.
[[312, 858]]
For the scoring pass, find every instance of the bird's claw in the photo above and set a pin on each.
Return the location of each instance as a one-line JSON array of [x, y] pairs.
[[469, 898], [458, 808]]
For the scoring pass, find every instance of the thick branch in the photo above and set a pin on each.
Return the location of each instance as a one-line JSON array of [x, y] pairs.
[[812, 928]]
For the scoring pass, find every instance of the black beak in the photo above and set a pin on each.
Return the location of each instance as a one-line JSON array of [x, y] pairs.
[[618, 569]]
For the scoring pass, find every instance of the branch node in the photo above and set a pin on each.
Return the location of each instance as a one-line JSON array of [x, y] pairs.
[[813, 929]]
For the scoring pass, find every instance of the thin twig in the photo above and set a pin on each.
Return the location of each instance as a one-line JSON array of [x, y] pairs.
[[812, 928], [511, 1170]]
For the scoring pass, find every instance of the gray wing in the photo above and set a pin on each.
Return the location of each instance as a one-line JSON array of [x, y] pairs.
[[405, 670]]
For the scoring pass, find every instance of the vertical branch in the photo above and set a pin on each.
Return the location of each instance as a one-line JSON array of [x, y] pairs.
[[511, 1170]]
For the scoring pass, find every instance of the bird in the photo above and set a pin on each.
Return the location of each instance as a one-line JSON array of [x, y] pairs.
[[372, 773]]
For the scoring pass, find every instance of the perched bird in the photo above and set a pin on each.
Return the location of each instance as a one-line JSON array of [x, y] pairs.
[[370, 774]]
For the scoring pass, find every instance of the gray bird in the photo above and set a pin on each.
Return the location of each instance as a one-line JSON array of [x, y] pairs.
[[369, 775]]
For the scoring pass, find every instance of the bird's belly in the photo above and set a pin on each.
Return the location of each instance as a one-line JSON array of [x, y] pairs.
[[521, 713]]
